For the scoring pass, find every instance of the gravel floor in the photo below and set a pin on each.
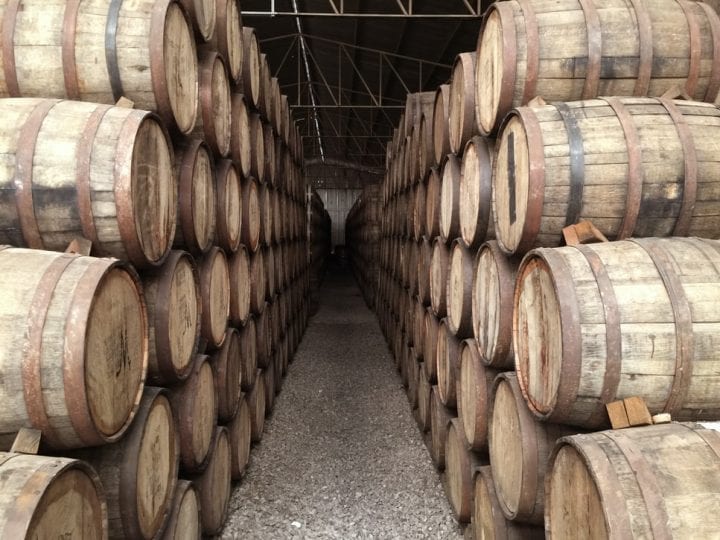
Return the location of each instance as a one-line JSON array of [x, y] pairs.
[[341, 456]]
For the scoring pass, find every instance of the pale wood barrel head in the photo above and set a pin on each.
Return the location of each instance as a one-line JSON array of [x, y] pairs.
[[154, 191], [157, 463], [506, 447], [204, 412], [204, 14], [458, 474], [574, 505], [198, 205], [538, 336], [240, 286], [233, 39], [486, 515], [184, 523], [214, 485], [240, 430], [511, 185], [53, 497], [251, 215], [180, 63], [486, 303], [456, 286], [489, 73], [256, 402], [240, 134], [229, 206], [215, 281], [227, 369], [470, 402], [183, 314], [116, 352]]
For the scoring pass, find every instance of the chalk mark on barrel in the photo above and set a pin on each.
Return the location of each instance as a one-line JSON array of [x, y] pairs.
[[511, 178]]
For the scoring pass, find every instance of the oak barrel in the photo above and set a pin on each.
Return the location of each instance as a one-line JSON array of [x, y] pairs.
[[48, 497], [439, 269], [248, 354], [240, 141], [256, 404], [214, 484], [462, 101], [203, 16], [240, 432], [257, 147], [440, 417], [257, 282], [476, 217], [228, 38], [213, 120], [184, 522], [172, 293], [433, 192], [489, 522], [139, 473], [633, 166], [229, 206], [441, 123], [197, 204], [82, 169], [448, 359], [459, 465], [250, 214], [635, 483], [240, 286], [424, 263], [142, 50], [227, 372], [450, 199], [215, 296], [73, 347], [571, 50], [461, 275], [251, 65], [620, 319], [492, 305], [430, 335], [423, 399], [474, 394], [519, 446]]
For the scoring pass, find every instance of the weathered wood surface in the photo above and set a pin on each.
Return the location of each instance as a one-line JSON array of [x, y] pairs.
[[215, 106], [476, 200], [647, 482], [229, 206], [601, 322], [73, 347], [459, 290], [571, 49], [462, 101], [474, 395], [215, 296], [184, 521]]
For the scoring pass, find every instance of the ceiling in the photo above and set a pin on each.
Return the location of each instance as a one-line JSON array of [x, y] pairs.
[[347, 66]]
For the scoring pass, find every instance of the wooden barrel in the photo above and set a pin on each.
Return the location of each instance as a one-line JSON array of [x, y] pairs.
[[73, 347], [143, 51], [257, 147], [269, 153], [214, 484], [257, 283], [461, 275], [269, 379], [430, 334], [462, 101], [215, 296], [197, 205], [240, 431], [184, 521], [450, 199], [474, 390], [240, 141], [213, 120], [476, 217], [460, 464], [266, 217], [423, 399], [229, 206], [426, 149], [492, 305], [448, 357], [240, 286], [432, 204], [248, 354], [139, 472], [227, 372], [489, 522], [263, 336], [256, 404], [251, 65], [203, 17], [419, 211], [635, 483], [519, 447], [172, 293], [643, 49], [657, 295], [441, 123], [424, 264], [439, 269], [440, 417], [51, 190], [633, 166], [250, 214], [278, 204], [43, 497], [195, 409], [228, 38]]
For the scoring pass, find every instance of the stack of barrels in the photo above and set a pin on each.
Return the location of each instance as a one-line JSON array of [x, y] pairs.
[[362, 241], [510, 329], [157, 287], [319, 242]]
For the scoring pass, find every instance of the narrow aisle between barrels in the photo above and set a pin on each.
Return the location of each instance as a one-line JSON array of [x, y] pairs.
[[341, 456]]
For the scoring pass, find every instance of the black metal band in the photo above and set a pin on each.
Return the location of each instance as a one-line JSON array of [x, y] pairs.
[[577, 163], [111, 59]]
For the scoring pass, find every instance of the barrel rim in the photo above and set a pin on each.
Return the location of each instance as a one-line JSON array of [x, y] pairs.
[[208, 66], [185, 181], [222, 231], [182, 488]]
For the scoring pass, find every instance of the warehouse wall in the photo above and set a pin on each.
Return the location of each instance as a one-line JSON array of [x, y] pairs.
[[338, 203]]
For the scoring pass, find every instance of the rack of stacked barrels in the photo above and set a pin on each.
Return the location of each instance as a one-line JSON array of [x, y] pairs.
[[319, 243], [511, 330], [154, 264], [362, 241]]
